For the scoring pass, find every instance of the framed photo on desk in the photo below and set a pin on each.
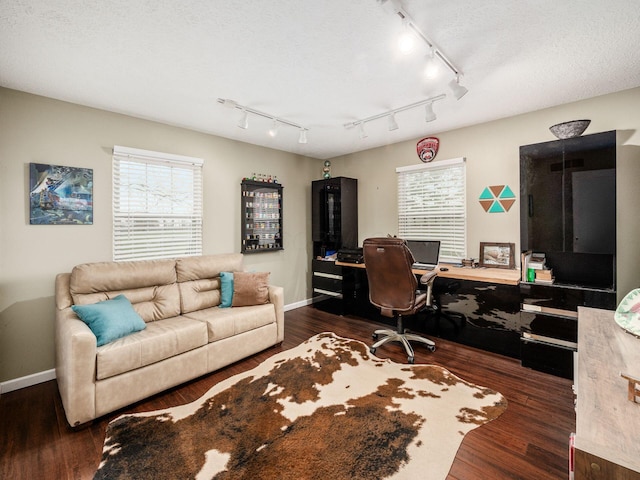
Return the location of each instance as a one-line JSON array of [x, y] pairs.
[[497, 255]]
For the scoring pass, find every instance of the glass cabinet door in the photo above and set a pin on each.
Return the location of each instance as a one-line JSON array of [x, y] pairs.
[[261, 206], [568, 207]]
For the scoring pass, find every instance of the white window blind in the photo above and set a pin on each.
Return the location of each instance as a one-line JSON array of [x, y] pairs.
[[432, 205], [157, 205]]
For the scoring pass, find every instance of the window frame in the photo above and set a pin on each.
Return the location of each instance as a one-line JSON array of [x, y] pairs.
[[174, 227]]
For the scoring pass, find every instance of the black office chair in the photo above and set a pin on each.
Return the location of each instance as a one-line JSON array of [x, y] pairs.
[[393, 288]]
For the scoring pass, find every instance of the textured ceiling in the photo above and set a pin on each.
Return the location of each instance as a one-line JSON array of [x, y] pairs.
[[316, 63]]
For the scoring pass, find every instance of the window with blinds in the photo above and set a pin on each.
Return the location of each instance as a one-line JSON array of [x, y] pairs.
[[157, 205], [432, 205]]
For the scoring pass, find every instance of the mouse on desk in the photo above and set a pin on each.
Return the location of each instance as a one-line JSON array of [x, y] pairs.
[[444, 269]]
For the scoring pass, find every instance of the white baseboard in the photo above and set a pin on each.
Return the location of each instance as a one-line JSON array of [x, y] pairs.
[[41, 377], [28, 381], [301, 303]]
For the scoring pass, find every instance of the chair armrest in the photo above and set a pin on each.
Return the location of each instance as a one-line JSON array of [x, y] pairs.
[[428, 278]]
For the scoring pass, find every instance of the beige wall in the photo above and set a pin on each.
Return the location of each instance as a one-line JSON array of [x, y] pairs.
[[492, 157], [41, 130]]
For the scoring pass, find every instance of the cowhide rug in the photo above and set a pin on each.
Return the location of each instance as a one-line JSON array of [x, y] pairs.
[[326, 409]]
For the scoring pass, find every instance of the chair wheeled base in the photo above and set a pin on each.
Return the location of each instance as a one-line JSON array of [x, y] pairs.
[[403, 337]]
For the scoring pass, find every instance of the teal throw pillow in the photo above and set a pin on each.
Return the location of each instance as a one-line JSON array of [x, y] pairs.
[[110, 319], [226, 289]]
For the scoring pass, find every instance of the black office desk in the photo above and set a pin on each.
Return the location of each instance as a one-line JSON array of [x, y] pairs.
[[488, 297]]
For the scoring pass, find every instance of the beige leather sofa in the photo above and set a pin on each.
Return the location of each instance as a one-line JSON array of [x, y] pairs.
[[187, 335]]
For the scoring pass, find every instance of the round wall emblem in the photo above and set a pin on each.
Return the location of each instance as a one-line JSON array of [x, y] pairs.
[[428, 148]]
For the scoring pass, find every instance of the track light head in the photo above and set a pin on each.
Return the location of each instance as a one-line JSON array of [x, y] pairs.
[[458, 90], [273, 131], [244, 121], [429, 114], [392, 7], [393, 125], [363, 133], [432, 67], [303, 136]]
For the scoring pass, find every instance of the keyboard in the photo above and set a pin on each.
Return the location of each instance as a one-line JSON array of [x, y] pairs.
[[422, 266]]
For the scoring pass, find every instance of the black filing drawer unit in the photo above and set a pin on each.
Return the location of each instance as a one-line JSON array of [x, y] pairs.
[[327, 278], [334, 287], [327, 285], [549, 324]]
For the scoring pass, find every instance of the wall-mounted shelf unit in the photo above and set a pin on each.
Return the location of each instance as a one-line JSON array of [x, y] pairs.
[[261, 223]]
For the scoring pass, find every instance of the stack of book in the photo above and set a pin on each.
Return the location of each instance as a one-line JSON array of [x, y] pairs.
[[537, 262], [545, 276]]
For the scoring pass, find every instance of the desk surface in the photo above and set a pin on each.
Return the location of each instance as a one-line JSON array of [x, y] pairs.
[[489, 275]]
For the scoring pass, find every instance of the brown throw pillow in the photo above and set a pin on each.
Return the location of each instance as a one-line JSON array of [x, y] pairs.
[[250, 288]]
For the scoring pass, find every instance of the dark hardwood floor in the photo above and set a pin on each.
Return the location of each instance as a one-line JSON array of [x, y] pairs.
[[529, 441]]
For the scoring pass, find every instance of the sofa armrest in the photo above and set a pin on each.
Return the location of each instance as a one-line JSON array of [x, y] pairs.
[[76, 350], [276, 296]]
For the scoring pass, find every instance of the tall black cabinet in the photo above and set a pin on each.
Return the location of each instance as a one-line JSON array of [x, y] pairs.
[[568, 207], [334, 225], [334, 214], [567, 212]]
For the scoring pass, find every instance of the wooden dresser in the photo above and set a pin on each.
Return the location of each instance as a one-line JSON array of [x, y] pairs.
[[607, 441]]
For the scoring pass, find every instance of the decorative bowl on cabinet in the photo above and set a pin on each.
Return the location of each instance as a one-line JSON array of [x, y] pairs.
[[571, 129]]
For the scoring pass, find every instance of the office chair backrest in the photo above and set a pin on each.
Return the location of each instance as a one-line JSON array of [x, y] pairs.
[[392, 284]]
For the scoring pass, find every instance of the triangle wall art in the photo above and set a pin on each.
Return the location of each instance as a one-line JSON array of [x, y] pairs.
[[497, 199]]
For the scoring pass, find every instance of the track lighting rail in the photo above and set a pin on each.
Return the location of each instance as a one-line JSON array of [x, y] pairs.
[[394, 111]]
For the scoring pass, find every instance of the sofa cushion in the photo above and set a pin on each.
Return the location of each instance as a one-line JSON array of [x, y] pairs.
[[150, 286], [199, 279], [151, 303], [162, 339], [226, 322], [199, 294], [207, 266], [110, 319], [114, 276], [250, 288]]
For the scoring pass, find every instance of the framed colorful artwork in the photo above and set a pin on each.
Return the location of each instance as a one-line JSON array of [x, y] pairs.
[[60, 195]]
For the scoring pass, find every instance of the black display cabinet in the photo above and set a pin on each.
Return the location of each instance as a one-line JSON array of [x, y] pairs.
[[261, 223], [334, 226], [334, 214], [568, 207], [567, 212]]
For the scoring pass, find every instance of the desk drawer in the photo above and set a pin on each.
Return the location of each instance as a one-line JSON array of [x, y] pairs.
[[566, 297], [325, 267], [554, 359], [327, 282], [554, 326]]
